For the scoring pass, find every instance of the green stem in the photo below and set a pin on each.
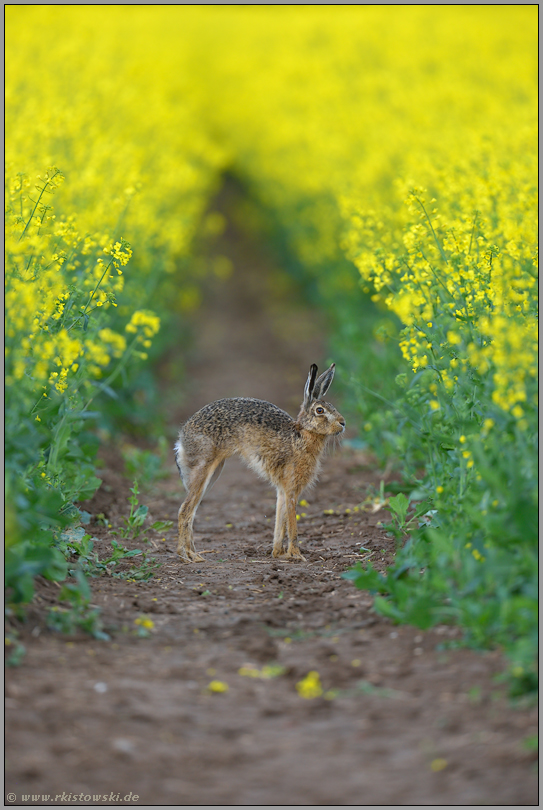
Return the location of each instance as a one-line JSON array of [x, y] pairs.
[[438, 243], [472, 232], [435, 275], [91, 297], [432, 465], [53, 454], [42, 192], [36, 405], [122, 363]]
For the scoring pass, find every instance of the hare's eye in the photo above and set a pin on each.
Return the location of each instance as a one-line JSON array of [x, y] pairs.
[[319, 410]]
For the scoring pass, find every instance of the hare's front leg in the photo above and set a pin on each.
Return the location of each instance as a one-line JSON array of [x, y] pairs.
[[280, 524], [286, 519], [293, 551]]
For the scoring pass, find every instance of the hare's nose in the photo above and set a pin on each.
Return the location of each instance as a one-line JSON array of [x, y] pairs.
[[341, 422]]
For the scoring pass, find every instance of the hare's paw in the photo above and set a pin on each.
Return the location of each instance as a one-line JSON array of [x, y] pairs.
[[292, 554], [189, 556]]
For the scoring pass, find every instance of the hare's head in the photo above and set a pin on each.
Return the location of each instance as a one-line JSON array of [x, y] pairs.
[[316, 415]]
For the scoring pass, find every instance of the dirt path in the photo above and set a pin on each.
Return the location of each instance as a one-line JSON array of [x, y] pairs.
[[400, 721]]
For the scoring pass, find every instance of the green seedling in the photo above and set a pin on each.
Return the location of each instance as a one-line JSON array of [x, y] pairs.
[[81, 546], [133, 524], [402, 524], [79, 615]]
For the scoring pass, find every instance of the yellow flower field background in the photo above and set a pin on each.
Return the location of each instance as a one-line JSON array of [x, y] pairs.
[[393, 150]]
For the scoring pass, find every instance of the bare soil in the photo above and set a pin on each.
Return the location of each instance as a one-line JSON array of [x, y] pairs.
[[403, 718]]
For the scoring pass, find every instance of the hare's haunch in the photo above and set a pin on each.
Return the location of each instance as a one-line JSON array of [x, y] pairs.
[[282, 450]]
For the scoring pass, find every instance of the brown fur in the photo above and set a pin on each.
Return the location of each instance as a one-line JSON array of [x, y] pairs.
[[284, 451]]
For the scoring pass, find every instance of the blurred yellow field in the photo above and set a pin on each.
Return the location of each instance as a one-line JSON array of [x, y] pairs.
[[397, 140]]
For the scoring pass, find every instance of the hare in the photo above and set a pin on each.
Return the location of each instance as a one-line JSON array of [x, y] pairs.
[[280, 449]]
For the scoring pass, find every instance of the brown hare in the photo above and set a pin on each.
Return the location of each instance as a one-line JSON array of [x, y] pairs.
[[283, 450]]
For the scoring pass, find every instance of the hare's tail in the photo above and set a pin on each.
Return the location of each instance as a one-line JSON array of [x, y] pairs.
[[180, 461], [185, 469]]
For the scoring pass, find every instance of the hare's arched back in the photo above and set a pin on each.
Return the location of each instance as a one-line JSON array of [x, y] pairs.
[[283, 450]]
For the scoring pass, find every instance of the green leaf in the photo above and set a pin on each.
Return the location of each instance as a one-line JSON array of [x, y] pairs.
[[160, 525], [399, 505], [388, 609], [138, 518], [421, 612], [369, 579]]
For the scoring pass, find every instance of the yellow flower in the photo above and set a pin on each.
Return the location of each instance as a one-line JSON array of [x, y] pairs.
[[148, 322], [145, 621], [116, 342], [310, 687], [438, 764], [249, 672], [217, 686]]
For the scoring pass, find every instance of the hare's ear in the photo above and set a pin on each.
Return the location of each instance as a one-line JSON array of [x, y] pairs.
[[324, 382], [310, 384]]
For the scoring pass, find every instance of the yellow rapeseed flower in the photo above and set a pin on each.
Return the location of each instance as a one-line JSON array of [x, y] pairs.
[[310, 687], [217, 687]]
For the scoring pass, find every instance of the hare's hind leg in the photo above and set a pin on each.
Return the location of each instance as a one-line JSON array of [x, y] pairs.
[[196, 480]]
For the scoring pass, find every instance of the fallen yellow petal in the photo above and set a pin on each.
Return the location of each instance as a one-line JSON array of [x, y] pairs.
[[438, 764], [217, 686]]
